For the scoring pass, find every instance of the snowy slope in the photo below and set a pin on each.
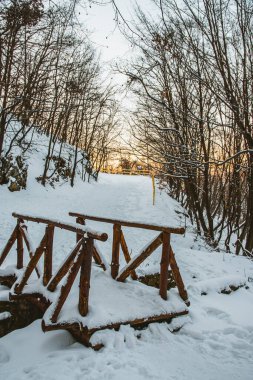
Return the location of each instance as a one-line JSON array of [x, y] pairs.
[[216, 340]]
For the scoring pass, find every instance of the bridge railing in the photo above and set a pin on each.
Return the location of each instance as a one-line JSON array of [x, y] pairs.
[[79, 258], [167, 258]]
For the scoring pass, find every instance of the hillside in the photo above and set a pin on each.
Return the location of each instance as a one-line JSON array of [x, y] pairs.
[[125, 276], [215, 341], [218, 329]]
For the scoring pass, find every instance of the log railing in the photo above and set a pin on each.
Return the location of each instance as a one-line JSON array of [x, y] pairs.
[[167, 257], [79, 259]]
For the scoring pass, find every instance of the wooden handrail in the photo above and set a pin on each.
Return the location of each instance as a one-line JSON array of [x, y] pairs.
[[173, 230], [82, 231]]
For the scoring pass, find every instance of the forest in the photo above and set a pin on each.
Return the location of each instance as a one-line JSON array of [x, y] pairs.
[[126, 189], [191, 82]]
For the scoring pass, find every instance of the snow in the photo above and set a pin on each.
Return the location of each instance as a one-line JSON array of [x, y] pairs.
[[216, 338], [112, 302], [226, 283], [5, 315]]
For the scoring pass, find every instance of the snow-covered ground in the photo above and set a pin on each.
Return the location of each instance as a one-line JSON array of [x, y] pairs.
[[216, 340]]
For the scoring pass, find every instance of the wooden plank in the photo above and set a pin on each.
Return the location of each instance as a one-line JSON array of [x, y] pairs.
[[63, 270], [8, 245], [136, 261], [175, 230], [178, 279], [141, 321], [31, 266], [84, 287], [68, 227], [82, 338], [115, 250], [65, 289], [164, 272], [48, 257], [127, 254]]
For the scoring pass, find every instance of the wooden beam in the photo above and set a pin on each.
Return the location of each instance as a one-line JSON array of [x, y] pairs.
[[97, 258], [8, 245], [127, 254], [84, 287], [48, 257], [84, 333], [63, 270], [65, 289], [141, 321], [174, 230], [31, 266], [164, 272], [23, 229], [115, 250], [65, 226], [178, 279], [136, 261]]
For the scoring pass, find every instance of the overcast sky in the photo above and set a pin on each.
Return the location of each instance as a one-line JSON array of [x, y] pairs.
[[105, 33], [108, 40]]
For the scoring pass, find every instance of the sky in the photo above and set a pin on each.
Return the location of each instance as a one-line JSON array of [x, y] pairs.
[[111, 44], [105, 35]]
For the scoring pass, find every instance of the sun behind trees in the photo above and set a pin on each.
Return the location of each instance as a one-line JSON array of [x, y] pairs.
[[51, 80], [193, 82]]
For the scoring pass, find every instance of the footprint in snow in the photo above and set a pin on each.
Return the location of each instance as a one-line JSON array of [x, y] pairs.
[[220, 314], [126, 337]]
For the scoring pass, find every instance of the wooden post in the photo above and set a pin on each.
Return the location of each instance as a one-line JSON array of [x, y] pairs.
[[48, 258], [115, 250], [81, 221], [164, 266], [87, 252], [20, 247]]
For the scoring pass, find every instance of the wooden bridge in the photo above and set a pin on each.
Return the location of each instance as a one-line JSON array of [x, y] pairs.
[[131, 171], [80, 297]]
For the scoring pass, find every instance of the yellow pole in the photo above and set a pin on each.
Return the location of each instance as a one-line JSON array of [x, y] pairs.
[[153, 185]]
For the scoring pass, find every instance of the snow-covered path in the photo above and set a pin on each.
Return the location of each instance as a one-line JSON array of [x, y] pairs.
[[216, 340]]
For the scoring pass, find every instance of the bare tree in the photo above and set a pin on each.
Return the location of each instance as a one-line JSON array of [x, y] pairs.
[[193, 84]]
